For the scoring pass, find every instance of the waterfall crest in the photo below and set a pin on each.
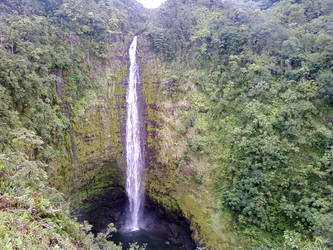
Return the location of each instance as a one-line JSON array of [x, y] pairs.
[[134, 155]]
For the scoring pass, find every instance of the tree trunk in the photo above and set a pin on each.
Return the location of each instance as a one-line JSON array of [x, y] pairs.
[[12, 48], [88, 57], [71, 42]]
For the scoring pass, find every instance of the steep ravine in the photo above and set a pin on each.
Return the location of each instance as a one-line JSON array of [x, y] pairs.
[[95, 182], [101, 193], [100, 198], [237, 125]]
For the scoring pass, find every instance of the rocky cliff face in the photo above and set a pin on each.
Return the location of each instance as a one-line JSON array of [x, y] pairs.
[[95, 182], [98, 132], [173, 174]]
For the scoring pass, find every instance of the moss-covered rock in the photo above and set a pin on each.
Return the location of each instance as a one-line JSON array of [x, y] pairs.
[[97, 119], [172, 179]]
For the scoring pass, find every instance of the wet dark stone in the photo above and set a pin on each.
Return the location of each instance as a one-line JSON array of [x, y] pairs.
[[167, 230], [104, 210]]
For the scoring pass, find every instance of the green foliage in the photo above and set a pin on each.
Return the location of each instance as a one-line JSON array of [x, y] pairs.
[[264, 69], [34, 214], [294, 240], [160, 44], [255, 83], [48, 52]]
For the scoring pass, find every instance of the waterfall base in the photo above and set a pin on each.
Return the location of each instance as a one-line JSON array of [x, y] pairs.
[[152, 240], [159, 230]]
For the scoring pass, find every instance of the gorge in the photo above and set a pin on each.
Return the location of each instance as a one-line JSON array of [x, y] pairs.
[[149, 225], [203, 123]]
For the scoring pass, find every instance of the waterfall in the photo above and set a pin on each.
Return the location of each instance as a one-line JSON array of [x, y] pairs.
[[134, 155]]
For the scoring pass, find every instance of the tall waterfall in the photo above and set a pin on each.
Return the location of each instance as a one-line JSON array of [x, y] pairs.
[[134, 155]]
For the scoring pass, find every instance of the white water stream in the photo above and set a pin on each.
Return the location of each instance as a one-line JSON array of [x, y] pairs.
[[134, 155]]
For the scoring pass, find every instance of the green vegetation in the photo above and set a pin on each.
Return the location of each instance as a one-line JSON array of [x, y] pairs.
[[60, 90], [33, 214], [252, 93], [239, 118]]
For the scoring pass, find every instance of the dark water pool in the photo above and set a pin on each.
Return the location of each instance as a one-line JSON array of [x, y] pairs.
[[153, 240], [160, 229]]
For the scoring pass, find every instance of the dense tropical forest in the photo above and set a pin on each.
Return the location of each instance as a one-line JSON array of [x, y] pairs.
[[239, 118]]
